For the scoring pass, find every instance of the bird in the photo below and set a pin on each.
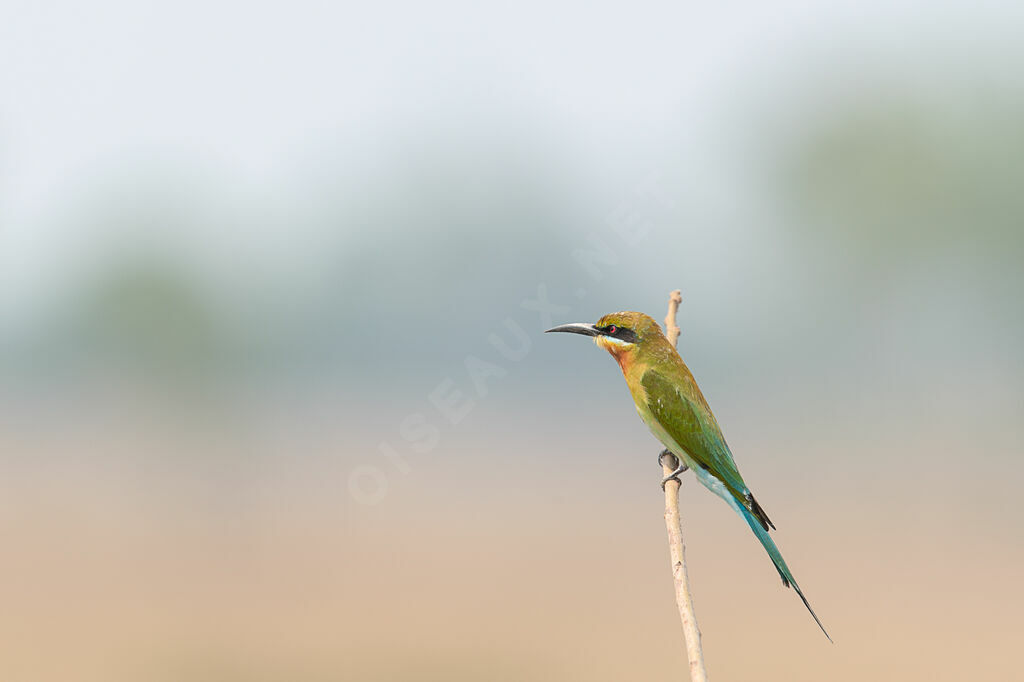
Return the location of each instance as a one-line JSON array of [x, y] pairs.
[[672, 406]]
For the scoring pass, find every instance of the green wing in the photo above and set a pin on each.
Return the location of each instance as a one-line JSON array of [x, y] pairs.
[[690, 423]]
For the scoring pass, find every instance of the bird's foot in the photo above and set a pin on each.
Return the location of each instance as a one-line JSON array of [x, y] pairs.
[[675, 474]]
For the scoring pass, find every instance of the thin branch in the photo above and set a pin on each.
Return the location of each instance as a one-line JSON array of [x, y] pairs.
[[671, 328], [677, 550]]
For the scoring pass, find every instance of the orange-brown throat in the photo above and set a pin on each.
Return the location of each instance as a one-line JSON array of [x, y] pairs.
[[624, 354]]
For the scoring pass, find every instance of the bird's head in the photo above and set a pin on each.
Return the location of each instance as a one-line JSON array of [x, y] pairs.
[[625, 335]]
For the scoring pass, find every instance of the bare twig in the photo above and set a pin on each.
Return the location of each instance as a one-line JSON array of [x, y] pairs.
[[677, 549], [671, 328]]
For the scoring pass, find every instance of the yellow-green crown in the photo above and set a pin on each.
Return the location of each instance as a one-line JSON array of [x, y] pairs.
[[642, 325]]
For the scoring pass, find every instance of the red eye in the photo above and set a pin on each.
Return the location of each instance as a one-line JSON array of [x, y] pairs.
[[613, 329]]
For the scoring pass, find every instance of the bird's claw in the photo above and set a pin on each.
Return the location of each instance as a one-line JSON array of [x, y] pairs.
[[675, 474]]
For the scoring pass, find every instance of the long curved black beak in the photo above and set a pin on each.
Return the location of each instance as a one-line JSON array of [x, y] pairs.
[[576, 328]]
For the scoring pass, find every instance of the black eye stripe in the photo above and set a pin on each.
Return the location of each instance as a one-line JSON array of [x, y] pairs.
[[617, 332]]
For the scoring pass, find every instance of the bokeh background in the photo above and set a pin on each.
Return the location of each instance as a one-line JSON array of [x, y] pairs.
[[274, 400]]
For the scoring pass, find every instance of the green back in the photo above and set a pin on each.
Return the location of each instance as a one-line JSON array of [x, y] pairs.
[[680, 408]]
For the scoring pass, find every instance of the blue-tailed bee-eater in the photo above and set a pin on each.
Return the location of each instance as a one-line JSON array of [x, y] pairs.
[[674, 409]]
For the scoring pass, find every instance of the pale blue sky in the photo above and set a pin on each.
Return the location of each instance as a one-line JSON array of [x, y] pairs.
[[253, 100]]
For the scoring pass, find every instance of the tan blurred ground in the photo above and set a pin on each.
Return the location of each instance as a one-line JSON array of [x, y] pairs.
[[245, 561]]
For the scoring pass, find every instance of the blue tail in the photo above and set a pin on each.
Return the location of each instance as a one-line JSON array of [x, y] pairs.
[[776, 555]]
